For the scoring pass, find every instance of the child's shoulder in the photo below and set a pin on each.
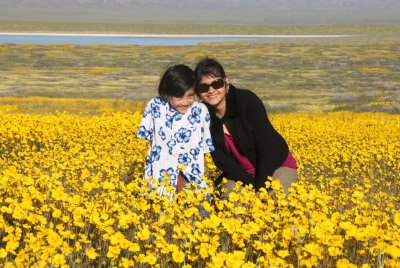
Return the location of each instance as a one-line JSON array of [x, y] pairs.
[[158, 101], [200, 105]]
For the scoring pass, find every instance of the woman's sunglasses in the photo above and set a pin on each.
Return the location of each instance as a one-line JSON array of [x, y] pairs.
[[216, 84]]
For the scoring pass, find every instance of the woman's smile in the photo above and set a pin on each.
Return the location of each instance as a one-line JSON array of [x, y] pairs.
[[214, 96]]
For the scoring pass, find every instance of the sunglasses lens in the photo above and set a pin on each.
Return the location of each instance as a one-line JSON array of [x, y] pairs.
[[216, 84], [203, 88]]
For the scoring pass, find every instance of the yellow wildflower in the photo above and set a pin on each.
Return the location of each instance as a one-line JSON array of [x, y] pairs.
[[91, 253], [178, 256]]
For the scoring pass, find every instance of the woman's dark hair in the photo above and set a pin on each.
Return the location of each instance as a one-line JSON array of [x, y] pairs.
[[176, 80], [208, 67]]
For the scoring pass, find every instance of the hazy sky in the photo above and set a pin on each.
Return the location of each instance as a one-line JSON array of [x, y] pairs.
[[230, 11]]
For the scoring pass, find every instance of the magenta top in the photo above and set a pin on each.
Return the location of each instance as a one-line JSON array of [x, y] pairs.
[[290, 162], [245, 163]]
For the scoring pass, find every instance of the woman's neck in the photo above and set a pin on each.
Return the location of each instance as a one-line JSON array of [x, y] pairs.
[[220, 109]]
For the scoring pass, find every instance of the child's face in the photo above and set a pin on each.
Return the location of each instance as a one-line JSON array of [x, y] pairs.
[[183, 104]]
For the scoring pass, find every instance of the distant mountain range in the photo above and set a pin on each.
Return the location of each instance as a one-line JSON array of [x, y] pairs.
[[205, 11]]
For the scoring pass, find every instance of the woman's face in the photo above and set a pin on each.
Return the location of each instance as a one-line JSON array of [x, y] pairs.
[[213, 90], [183, 104]]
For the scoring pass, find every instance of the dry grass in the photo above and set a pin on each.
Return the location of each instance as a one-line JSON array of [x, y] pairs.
[[289, 75]]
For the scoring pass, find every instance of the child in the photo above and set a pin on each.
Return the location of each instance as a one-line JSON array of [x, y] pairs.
[[177, 127]]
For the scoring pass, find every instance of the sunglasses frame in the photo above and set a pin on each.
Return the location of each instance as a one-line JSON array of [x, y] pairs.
[[202, 87]]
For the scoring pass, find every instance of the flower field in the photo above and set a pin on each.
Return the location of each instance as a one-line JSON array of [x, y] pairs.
[[71, 195]]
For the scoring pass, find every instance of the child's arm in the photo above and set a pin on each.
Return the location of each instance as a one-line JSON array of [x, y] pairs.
[[146, 127], [208, 145]]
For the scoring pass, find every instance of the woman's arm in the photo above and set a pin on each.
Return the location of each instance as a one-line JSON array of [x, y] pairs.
[[223, 159], [265, 137], [231, 168]]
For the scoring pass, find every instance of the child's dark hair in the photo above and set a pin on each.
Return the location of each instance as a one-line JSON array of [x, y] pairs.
[[176, 80], [208, 67]]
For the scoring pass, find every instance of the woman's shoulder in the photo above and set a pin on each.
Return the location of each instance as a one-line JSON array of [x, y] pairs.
[[245, 93], [247, 96]]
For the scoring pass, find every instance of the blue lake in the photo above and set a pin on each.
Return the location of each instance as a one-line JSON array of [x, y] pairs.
[[42, 39], [146, 40]]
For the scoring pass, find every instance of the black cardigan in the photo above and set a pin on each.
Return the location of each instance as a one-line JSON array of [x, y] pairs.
[[255, 137]]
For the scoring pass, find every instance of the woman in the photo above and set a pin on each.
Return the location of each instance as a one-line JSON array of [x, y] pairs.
[[247, 147]]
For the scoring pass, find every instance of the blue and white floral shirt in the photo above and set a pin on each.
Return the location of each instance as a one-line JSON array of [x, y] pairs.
[[176, 139]]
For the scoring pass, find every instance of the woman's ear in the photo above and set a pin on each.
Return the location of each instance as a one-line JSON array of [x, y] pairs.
[[228, 82]]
